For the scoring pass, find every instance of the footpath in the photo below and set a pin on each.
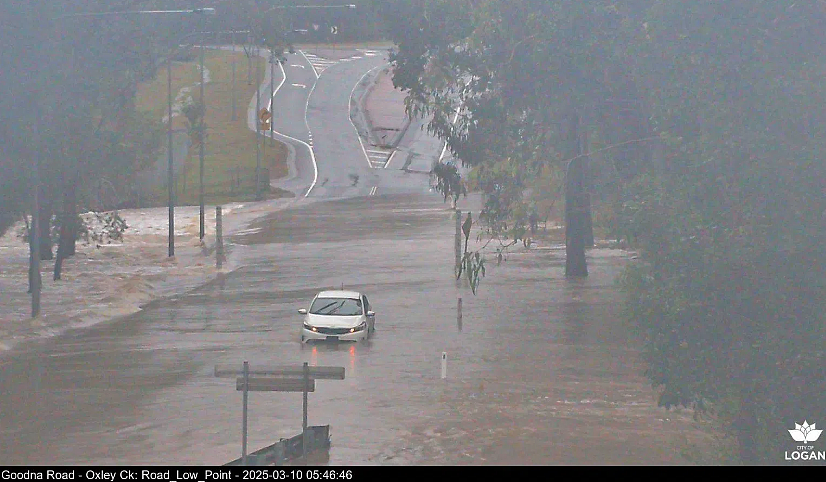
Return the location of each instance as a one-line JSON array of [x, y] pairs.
[[386, 126]]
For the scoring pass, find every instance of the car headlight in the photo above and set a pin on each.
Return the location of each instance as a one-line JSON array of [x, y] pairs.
[[309, 327], [361, 327]]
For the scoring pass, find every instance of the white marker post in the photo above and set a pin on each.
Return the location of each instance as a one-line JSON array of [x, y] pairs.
[[444, 365]]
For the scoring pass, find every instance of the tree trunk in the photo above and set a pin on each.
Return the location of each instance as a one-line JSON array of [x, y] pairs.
[[44, 228], [68, 231], [575, 207], [586, 194]]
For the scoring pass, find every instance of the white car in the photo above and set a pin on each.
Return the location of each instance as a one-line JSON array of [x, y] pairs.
[[338, 316]]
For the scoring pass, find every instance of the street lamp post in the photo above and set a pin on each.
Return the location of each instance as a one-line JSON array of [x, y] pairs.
[[170, 172], [257, 129], [272, 96], [34, 232], [232, 61], [170, 168], [201, 145]]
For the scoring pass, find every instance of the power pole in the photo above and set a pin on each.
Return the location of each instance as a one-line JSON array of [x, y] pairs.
[[232, 42], [170, 167], [257, 130], [201, 142], [34, 268], [272, 95]]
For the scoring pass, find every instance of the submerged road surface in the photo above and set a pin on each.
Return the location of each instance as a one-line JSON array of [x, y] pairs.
[[539, 369]]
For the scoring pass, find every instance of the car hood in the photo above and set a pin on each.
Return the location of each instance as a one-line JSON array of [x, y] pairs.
[[328, 321]]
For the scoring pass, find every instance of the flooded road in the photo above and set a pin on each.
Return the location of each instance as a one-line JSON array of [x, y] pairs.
[[540, 370]]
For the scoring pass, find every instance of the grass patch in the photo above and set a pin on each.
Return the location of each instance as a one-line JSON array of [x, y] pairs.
[[152, 96], [229, 149]]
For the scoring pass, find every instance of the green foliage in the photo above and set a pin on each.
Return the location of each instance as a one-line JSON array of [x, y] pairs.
[[473, 267], [709, 123], [472, 264], [448, 181], [193, 110], [105, 228], [729, 225]]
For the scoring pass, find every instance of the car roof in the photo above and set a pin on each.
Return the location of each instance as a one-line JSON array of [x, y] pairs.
[[339, 294]]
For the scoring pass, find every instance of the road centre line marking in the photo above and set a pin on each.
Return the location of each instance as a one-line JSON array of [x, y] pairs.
[[309, 146]]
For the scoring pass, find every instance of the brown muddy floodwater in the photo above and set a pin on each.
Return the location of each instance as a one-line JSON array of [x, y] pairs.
[[540, 370]]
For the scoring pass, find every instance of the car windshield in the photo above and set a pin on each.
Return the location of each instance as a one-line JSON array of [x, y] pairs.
[[336, 306]]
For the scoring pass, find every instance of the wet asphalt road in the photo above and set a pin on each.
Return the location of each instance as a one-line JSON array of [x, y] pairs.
[[540, 369]]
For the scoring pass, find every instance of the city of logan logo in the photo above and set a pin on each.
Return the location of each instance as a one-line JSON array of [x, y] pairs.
[[805, 434]]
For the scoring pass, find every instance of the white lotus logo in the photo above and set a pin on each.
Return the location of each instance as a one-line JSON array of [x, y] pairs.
[[805, 433]]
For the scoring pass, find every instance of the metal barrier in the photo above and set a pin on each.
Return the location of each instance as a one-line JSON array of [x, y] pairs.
[[286, 449]]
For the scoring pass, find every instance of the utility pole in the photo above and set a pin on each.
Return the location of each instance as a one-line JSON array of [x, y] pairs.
[[232, 61], [257, 130], [272, 96], [170, 168], [34, 269], [201, 142]]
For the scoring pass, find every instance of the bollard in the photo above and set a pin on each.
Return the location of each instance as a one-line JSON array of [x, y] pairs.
[[219, 239], [444, 365], [457, 241], [459, 313]]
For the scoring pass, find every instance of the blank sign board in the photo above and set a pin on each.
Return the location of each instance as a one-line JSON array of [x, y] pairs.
[[257, 384]]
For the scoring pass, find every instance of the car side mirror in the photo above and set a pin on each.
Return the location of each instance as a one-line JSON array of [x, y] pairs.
[[371, 313], [302, 311]]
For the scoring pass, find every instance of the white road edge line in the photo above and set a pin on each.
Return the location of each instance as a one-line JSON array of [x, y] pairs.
[[307, 123], [311, 64], [309, 147]]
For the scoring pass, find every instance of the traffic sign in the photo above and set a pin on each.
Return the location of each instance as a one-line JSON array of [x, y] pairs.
[[274, 384], [317, 373], [281, 379], [334, 30], [264, 115]]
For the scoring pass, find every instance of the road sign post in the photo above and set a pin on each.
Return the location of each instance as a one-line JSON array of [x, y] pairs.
[[244, 417], [279, 379], [306, 381]]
